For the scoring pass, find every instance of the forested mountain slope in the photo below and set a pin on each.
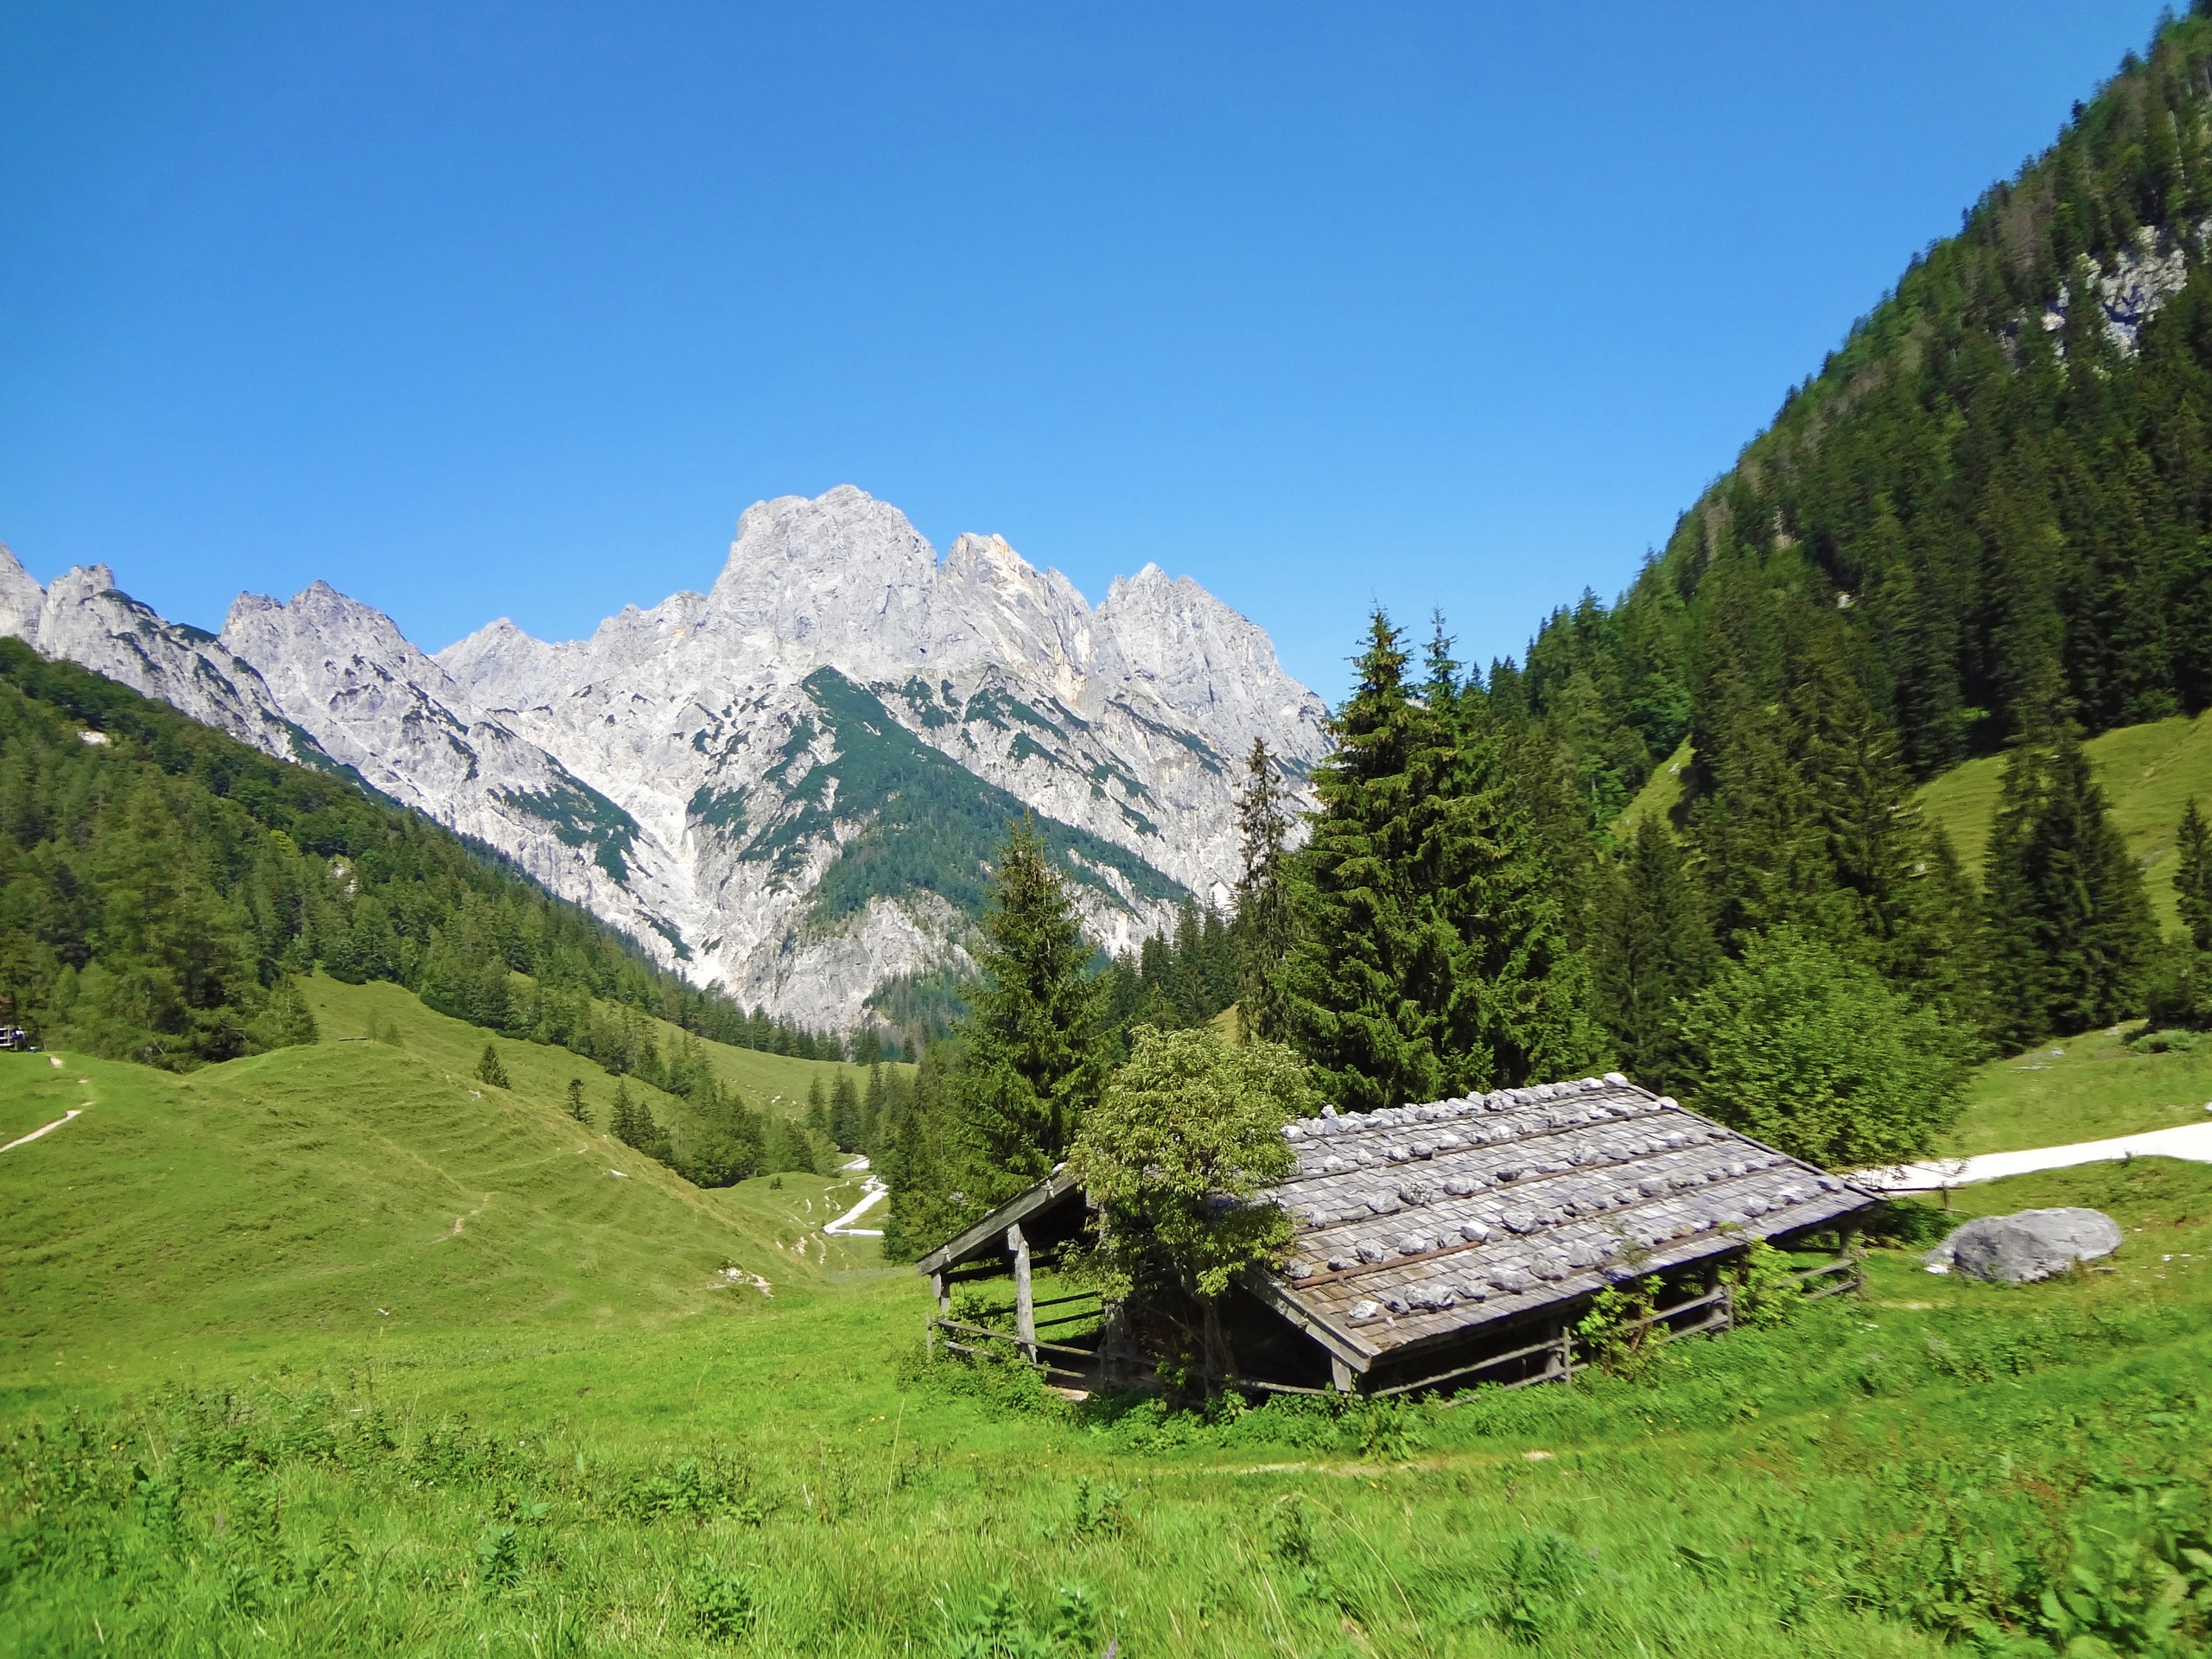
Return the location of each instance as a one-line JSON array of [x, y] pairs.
[[1994, 498]]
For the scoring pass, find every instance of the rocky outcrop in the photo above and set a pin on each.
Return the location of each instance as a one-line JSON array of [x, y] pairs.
[[787, 785], [2024, 1247], [20, 598]]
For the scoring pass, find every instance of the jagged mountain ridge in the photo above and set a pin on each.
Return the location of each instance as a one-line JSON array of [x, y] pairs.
[[788, 784]]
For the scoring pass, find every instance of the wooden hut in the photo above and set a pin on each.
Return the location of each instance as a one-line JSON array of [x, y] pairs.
[[1457, 1242]]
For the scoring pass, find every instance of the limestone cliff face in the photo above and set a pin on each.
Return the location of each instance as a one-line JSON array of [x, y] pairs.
[[788, 784]]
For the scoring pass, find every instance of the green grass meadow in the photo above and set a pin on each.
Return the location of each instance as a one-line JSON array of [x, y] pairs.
[[335, 1351]]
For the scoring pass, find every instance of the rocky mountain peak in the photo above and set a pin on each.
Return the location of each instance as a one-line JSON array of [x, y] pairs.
[[793, 784]]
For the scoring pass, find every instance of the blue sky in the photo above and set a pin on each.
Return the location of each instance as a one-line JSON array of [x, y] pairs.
[[485, 309]]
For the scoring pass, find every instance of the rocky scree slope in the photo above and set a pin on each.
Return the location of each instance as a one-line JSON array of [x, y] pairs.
[[789, 784]]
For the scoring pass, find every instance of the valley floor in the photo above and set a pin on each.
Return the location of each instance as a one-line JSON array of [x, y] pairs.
[[250, 1404]]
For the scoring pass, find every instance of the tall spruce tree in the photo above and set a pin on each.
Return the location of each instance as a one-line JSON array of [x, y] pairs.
[[1035, 1036], [2069, 930], [1430, 958], [2193, 876], [1375, 1004], [1263, 916], [845, 1113], [1653, 948]]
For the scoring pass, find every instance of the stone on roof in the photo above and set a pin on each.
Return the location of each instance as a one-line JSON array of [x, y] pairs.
[[1419, 1221]]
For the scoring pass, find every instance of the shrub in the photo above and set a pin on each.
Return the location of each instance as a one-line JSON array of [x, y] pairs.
[[1810, 1052], [721, 1602]]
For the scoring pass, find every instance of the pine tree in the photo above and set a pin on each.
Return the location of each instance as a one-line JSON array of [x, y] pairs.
[[1372, 998], [1263, 915], [845, 1113], [489, 1070], [2193, 876], [576, 1108], [623, 1122], [1035, 1038], [2068, 928], [817, 1106], [872, 1108], [1654, 948], [1430, 956]]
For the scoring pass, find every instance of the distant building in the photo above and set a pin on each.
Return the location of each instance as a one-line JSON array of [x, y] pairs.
[[1450, 1244]]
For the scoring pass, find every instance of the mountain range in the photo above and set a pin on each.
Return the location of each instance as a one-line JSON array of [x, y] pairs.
[[789, 785]]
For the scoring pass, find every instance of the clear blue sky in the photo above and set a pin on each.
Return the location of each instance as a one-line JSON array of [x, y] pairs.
[[475, 309]]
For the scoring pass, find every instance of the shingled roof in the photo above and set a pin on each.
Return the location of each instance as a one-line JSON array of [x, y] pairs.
[[1422, 1223]]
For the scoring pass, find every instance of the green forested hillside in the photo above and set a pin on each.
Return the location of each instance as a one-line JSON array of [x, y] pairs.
[[1997, 507], [160, 884], [1980, 535], [2150, 773]]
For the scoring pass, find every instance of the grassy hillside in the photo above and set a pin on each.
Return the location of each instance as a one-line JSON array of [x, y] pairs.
[[2149, 771], [2084, 1087], [1661, 792], [1865, 1481], [768, 1081], [302, 1191]]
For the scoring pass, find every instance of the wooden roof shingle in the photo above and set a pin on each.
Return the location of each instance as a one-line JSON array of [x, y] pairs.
[[1415, 1224]]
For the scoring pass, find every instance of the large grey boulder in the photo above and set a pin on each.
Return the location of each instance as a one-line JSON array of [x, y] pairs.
[[2020, 1249]]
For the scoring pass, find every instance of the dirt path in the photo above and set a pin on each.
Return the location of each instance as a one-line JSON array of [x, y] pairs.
[[2192, 1141], [873, 1192], [24, 1140]]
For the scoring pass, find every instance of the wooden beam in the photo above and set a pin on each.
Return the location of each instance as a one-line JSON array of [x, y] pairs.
[[1339, 1374], [1025, 1303], [943, 1292], [985, 1233]]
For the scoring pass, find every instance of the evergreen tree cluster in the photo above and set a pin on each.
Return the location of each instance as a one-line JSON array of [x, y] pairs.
[[1175, 980], [1431, 951]]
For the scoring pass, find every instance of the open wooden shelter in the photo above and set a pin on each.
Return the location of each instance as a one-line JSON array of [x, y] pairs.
[[1456, 1243]]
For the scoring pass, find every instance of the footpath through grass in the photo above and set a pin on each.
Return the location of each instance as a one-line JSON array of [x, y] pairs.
[[2085, 1088]]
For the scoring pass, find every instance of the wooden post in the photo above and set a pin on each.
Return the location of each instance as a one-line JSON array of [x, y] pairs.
[[1339, 1374], [939, 1289], [1025, 1304], [1565, 1352]]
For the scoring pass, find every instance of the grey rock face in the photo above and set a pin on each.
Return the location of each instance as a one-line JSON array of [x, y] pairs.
[[2024, 1247], [687, 773], [20, 598]]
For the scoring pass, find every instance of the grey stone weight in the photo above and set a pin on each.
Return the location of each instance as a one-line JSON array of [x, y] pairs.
[[2023, 1248]]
